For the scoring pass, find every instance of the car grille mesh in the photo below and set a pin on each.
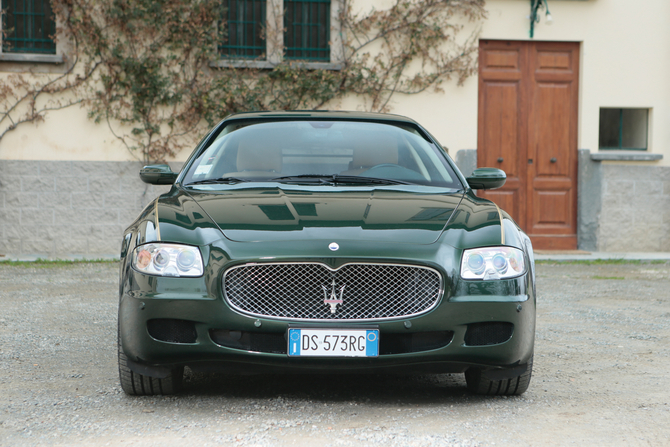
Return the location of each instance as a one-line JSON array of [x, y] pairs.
[[297, 291]]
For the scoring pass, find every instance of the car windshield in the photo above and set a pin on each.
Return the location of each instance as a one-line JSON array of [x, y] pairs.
[[321, 152]]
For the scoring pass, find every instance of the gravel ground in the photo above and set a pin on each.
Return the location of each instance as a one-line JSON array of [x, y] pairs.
[[600, 376]]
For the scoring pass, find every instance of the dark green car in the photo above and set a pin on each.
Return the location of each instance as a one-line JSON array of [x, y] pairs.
[[323, 242]]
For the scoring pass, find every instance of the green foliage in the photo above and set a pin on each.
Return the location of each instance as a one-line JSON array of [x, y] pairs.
[[603, 262], [153, 56], [144, 66], [53, 263], [608, 277]]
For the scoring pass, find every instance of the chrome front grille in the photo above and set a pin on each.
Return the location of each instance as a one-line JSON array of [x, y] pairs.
[[311, 291]]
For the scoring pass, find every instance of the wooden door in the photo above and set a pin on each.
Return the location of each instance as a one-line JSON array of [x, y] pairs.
[[528, 93]]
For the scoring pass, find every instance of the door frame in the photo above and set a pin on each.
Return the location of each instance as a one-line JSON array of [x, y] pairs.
[[518, 70]]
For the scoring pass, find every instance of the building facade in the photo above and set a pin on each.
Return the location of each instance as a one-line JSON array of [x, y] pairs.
[[576, 115]]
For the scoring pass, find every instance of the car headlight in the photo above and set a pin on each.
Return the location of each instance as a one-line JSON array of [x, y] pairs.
[[492, 263], [167, 260]]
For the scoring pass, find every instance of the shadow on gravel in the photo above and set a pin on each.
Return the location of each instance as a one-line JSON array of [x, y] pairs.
[[380, 389]]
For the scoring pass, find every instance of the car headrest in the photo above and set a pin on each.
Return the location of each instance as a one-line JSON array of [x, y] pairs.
[[259, 154], [373, 149]]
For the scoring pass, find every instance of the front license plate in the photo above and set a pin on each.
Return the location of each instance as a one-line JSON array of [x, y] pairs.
[[333, 342]]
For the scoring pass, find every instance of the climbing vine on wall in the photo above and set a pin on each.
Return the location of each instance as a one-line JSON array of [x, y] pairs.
[[143, 67]]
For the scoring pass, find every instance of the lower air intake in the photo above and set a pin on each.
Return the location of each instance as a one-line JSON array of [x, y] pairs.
[[276, 343], [250, 341], [173, 331], [416, 342], [490, 333]]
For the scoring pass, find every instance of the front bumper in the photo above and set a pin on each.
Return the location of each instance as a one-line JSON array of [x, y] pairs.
[[187, 300]]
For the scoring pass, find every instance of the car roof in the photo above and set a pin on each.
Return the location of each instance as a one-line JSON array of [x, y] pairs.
[[322, 114]]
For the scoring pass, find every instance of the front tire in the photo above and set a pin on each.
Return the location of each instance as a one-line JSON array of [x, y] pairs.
[[136, 384], [479, 384]]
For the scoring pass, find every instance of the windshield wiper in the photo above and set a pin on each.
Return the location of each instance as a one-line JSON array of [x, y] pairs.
[[318, 178], [336, 178], [217, 180], [359, 179]]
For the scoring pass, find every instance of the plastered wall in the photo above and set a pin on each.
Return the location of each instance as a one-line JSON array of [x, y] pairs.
[[624, 50]]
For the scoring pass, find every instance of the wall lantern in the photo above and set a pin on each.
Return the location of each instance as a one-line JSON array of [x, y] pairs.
[[535, 7]]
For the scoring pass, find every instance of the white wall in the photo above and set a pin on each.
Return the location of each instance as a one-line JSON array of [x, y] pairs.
[[63, 135], [625, 63]]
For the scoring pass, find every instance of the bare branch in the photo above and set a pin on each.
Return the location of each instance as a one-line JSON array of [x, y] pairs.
[[143, 67]]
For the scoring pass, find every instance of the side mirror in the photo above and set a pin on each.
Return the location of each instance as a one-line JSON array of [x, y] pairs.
[[158, 175], [487, 178]]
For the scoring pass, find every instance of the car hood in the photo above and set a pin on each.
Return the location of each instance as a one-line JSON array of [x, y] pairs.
[[365, 214], [416, 215], [392, 215]]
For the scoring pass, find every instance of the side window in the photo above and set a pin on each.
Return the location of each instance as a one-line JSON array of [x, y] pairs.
[[28, 27]]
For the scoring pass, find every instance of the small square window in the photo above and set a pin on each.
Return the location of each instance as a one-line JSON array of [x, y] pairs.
[[28, 27], [623, 129]]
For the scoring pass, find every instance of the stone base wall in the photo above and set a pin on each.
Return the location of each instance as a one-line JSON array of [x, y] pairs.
[[589, 201], [635, 215], [620, 208], [56, 209], [69, 208]]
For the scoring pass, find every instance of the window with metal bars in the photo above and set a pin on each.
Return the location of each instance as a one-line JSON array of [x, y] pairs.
[[307, 29], [245, 29], [28, 26], [253, 30]]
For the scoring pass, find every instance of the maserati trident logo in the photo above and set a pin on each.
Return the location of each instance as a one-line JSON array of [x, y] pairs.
[[333, 300]]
